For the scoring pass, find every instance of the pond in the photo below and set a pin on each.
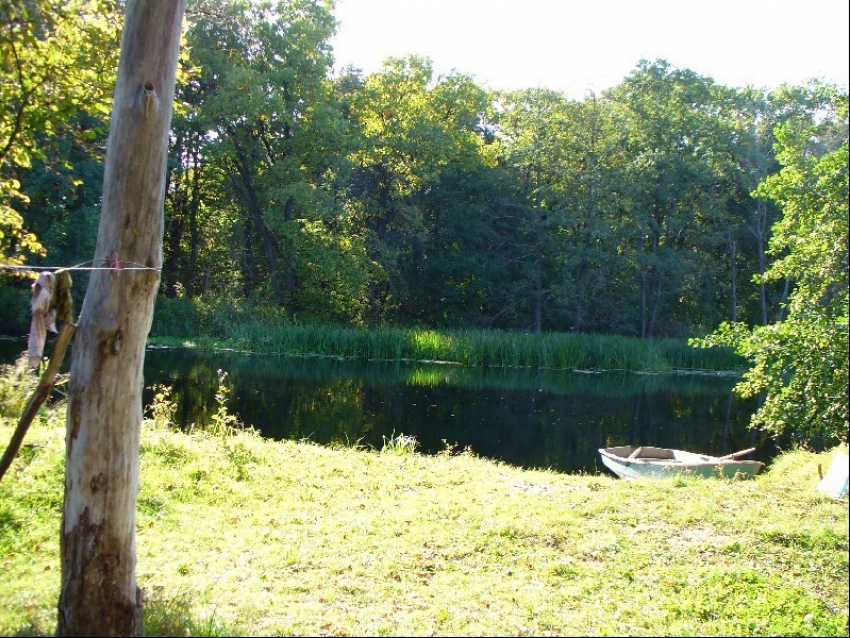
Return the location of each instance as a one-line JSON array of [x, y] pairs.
[[529, 418]]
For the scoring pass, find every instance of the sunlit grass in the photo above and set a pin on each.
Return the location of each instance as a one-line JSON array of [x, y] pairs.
[[476, 348], [241, 535], [225, 325]]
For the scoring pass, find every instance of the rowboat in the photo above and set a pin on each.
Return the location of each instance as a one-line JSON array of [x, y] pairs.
[[628, 461]]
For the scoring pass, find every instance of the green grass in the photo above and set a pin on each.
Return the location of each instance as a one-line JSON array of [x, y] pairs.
[[240, 535], [222, 324], [474, 348]]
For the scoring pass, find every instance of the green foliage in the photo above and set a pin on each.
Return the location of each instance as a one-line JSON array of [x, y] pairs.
[[63, 192], [15, 308], [55, 59], [801, 363], [258, 159], [677, 139], [210, 316], [411, 128]]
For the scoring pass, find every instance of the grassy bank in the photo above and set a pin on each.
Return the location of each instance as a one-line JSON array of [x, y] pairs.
[[237, 534], [465, 347]]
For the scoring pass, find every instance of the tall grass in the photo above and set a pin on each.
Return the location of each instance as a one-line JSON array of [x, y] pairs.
[[224, 324], [18, 383], [478, 348]]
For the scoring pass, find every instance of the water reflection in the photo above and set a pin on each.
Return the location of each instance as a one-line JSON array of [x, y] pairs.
[[530, 418]]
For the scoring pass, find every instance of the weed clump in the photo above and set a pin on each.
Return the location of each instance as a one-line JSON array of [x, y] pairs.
[[401, 445], [17, 382]]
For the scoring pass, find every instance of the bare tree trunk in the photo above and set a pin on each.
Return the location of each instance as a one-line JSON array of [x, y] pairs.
[[785, 290], [733, 258], [642, 303], [174, 224], [194, 227], [759, 230], [99, 595], [538, 257], [656, 292], [538, 284], [578, 314], [245, 187]]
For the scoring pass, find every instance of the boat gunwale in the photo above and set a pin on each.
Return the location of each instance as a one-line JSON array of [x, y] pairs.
[[679, 464], [699, 459]]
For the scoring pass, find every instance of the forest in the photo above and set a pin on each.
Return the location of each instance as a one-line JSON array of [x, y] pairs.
[[403, 197]]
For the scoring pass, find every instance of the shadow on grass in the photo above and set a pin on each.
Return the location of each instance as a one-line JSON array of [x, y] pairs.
[[173, 616], [164, 616]]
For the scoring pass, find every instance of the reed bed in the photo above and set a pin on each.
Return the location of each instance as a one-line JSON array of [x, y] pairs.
[[474, 348]]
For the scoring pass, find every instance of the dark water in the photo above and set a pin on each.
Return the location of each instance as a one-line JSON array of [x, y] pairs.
[[528, 418]]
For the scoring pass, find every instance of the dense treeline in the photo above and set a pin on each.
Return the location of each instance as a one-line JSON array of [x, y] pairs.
[[410, 198]]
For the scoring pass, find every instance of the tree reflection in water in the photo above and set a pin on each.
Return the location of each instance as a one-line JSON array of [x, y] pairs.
[[530, 418]]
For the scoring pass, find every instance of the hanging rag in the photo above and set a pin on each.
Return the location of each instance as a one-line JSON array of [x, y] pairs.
[[43, 318], [62, 302]]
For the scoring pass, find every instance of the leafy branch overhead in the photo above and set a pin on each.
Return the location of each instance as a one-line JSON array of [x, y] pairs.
[[56, 58], [801, 362]]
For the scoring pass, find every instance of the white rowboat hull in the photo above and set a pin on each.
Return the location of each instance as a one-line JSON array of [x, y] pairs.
[[653, 462]]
